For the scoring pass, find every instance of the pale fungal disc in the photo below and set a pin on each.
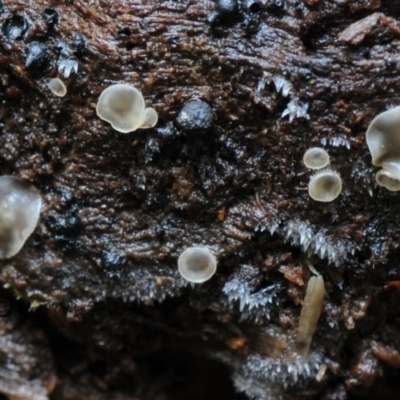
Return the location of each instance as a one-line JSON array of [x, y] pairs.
[[325, 186], [150, 119], [122, 106], [58, 87], [197, 264], [383, 137], [316, 158], [20, 205]]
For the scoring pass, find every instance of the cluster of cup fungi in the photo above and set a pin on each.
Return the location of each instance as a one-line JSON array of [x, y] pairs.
[[198, 264], [326, 185], [123, 106]]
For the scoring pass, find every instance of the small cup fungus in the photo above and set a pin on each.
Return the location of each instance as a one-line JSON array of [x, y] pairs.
[[197, 264], [150, 119], [383, 140], [316, 158], [58, 87], [325, 186], [19, 214], [123, 107]]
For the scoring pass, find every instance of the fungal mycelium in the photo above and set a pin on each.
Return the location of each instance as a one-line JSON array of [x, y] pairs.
[[197, 264], [58, 87], [19, 214], [325, 186], [316, 158], [123, 106], [383, 140]]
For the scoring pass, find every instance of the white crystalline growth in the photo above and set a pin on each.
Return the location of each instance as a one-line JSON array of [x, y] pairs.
[[314, 243], [296, 109], [266, 78], [301, 233], [266, 378], [67, 66], [252, 305], [20, 205], [282, 85], [256, 389], [337, 141], [281, 370]]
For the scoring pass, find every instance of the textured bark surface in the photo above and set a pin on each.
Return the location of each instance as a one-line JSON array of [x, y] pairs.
[[99, 274]]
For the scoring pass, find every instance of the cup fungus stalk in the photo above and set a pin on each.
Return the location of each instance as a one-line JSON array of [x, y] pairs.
[[310, 313], [197, 264], [383, 140]]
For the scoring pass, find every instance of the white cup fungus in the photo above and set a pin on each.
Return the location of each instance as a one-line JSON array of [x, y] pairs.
[[325, 186], [123, 106], [197, 264], [20, 205], [150, 118], [316, 158], [58, 87], [383, 140]]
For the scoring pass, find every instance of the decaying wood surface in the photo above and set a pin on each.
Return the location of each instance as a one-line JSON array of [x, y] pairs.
[[98, 280]]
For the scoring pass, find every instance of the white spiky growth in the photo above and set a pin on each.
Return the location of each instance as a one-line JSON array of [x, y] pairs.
[[311, 241], [266, 78], [67, 66], [252, 305], [266, 378], [296, 109], [282, 85], [337, 141]]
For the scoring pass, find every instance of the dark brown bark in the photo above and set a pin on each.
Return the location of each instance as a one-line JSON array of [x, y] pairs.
[[100, 271]]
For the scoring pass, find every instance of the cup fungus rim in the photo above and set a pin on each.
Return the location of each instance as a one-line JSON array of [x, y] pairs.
[[321, 174], [204, 250], [61, 83], [321, 150]]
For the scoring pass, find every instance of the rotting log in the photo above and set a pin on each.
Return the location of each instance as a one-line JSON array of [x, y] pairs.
[[99, 274]]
